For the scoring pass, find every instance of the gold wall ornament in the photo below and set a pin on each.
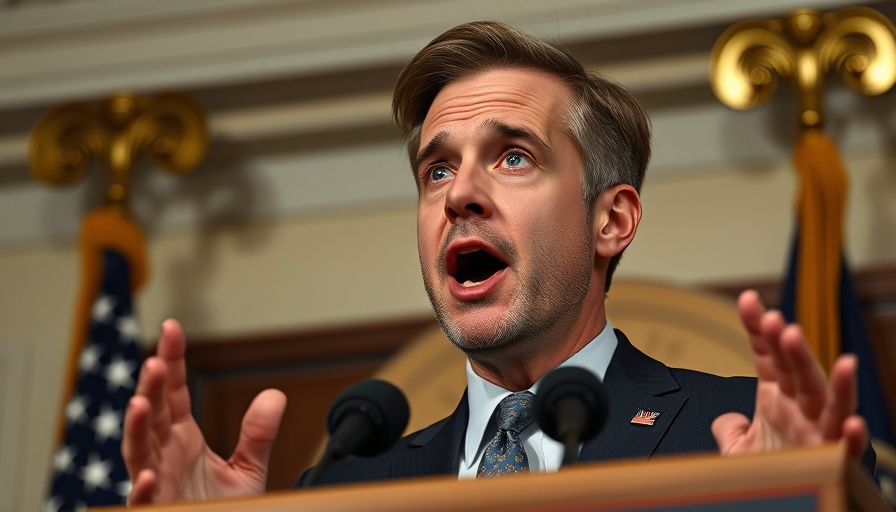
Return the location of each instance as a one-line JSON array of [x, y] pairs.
[[858, 43], [171, 127]]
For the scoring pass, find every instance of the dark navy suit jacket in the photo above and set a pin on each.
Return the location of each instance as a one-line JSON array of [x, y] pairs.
[[688, 401]]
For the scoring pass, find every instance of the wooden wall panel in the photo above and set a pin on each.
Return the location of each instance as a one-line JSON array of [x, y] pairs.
[[312, 368]]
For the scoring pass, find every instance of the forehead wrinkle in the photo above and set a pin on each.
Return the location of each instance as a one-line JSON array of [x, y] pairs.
[[457, 111], [518, 106], [488, 127]]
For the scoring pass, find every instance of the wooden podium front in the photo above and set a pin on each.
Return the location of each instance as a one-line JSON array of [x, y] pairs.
[[813, 479]]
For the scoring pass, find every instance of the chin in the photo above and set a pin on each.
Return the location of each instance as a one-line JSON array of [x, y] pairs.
[[486, 339]]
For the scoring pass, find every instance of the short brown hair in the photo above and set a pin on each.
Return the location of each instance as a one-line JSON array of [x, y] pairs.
[[609, 126]]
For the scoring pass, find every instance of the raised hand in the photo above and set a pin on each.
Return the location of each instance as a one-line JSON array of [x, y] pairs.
[[166, 454], [795, 404]]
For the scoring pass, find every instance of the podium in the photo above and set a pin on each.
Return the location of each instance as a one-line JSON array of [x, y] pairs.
[[808, 479]]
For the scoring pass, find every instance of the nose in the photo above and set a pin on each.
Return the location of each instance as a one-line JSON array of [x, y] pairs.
[[468, 195]]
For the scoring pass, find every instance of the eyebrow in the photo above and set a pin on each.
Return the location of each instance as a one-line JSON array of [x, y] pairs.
[[516, 132], [434, 145], [492, 126]]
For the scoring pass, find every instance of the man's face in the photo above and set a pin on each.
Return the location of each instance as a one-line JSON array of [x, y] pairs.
[[503, 233]]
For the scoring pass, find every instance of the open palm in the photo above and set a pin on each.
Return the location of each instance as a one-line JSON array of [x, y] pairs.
[[166, 454]]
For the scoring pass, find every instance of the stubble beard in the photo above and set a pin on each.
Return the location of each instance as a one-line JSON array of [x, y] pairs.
[[543, 306]]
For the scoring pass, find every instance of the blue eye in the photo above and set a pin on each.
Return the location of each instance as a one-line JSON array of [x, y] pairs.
[[439, 173], [515, 160]]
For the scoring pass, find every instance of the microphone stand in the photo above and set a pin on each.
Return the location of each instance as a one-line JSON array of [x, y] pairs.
[[570, 406], [571, 424], [359, 426]]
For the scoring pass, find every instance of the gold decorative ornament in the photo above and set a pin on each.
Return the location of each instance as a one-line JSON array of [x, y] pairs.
[[858, 43], [170, 127]]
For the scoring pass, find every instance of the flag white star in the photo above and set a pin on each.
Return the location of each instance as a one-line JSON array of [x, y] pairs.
[[54, 504], [102, 309], [96, 473], [128, 328], [76, 410], [107, 424], [89, 357], [64, 459], [123, 488], [118, 374]]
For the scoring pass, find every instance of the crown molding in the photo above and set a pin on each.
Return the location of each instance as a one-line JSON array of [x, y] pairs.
[[52, 52]]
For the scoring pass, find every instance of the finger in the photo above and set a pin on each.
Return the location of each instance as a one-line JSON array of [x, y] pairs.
[[135, 445], [751, 312], [843, 396], [751, 309], [172, 345], [856, 436], [772, 327], [259, 430], [142, 488], [151, 386], [729, 430], [136, 449], [810, 384], [145, 416]]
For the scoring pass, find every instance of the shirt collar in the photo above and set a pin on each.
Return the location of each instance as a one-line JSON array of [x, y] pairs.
[[483, 396]]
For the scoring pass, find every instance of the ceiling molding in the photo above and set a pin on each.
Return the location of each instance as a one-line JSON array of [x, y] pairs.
[[297, 118], [51, 52]]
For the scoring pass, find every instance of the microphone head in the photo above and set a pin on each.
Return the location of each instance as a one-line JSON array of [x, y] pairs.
[[383, 404], [574, 383]]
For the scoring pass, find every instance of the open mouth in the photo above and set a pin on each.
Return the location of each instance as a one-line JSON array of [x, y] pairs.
[[473, 265]]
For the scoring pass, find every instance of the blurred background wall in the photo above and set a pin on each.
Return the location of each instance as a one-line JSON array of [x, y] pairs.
[[303, 213]]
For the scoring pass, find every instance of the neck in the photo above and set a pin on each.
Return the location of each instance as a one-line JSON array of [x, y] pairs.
[[517, 370]]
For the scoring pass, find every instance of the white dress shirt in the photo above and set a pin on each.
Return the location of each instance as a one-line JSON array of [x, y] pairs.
[[544, 453]]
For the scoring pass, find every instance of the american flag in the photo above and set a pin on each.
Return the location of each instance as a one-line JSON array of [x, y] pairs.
[[88, 470], [643, 417]]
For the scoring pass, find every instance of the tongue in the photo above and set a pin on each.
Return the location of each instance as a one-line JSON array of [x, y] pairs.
[[476, 267]]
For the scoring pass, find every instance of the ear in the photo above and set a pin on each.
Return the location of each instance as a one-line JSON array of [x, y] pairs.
[[617, 213]]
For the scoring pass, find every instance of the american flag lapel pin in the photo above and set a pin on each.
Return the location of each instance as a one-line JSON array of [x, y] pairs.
[[643, 417]]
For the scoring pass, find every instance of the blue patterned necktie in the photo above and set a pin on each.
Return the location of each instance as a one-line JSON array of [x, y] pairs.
[[505, 453]]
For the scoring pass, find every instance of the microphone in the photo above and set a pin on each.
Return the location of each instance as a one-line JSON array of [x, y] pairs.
[[571, 406], [365, 419]]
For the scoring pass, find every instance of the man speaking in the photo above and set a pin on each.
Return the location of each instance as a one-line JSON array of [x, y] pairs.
[[528, 170]]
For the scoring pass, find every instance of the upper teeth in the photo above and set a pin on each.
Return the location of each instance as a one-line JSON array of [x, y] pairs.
[[468, 250]]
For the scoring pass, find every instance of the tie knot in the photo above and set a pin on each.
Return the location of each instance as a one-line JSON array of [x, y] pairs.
[[515, 412]]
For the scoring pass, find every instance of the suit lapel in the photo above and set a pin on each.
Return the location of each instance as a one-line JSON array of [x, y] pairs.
[[435, 450], [634, 382]]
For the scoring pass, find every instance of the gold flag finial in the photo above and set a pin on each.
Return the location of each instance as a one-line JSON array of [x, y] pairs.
[[858, 43], [170, 127]]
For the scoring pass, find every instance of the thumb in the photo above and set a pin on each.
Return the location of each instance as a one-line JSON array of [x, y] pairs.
[[729, 429], [259, 430]]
